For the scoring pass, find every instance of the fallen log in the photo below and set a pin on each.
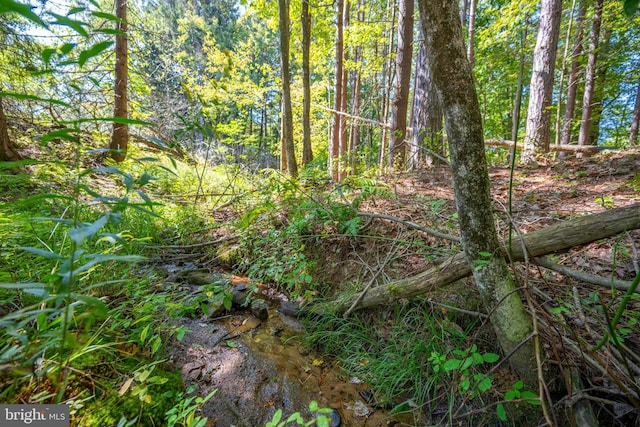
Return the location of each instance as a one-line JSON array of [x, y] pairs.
[[557, 237], [553, 147]]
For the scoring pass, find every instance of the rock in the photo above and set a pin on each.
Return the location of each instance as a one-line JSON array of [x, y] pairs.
[[239, 298], [289, 308], [260, 309]]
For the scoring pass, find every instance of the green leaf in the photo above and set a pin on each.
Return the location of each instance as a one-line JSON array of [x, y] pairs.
[[231, 344], [144, 333], [532, 398], [78, 235], [111, 32], [519, 385], [67, 134], [452, 364], [40, 252], [23, 10], [78, 26], [490, 357], [510, 395], [276, 419], [630, 7], [66, 48], [23, 96], [93, 302], [47, 53], [485, 384], [95, 50], [107, 16], [502, 414]]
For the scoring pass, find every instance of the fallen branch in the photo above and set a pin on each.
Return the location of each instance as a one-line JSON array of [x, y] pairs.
[[622, 285], [411, 224], [553, 147], [558, 237]]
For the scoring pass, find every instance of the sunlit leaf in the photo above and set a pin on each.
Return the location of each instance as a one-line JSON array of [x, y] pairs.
[[67, 134], [42, 253], [107, 16], [77, 26], [23, 10], [125, 387], [79, 234], [95, 50]]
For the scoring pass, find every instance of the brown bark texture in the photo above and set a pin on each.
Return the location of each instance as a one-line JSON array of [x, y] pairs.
[[334, 158], [584, 138], [287, 113], [537, 135], [7, 152], [574, 74], [427, 134], [633, 132], [454, 82], [404, 55], [307, 152], [120, 134], [555, 238]]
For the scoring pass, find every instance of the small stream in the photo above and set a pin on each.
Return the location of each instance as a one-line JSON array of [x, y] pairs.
[[259, 366]]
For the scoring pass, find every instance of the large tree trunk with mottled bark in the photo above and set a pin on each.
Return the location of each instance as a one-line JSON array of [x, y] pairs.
[[537, 137], [427, 116], [633, 132], [590, 76], [120, 134], [7, 152], [307, 152], [287, 112], [398, 147], [454, 82]]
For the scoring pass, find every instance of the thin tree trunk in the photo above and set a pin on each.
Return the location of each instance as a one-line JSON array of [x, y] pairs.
[[398, 149], [515, 124], [334, 158], [590, 75], [601, 76], [355, 99], [287, 113], [453, 78], [307, 152], [120, 134], [463, 12], [386, 102], [344, 146], [563, 70], [574, 74], [633, 132], [471, 31], [537, 137]]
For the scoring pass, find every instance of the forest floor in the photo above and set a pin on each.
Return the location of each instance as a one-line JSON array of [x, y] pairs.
[[569, 310]]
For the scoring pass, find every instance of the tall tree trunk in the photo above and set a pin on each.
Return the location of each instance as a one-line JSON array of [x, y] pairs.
[[463, 12], [633, 132], [7, 152], [344, 146], [515, 123], [471, 32], [386, 101], [355, 99], [537, 137], [334, 158], [307, 152], [120, 134], [597, 102], [398, 149], [453, 79], [287, 113], [427, 115], [590, 75], [574, 74]]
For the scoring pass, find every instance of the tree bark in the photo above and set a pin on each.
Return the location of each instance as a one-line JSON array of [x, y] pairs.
[[7, 152], [386, 97], [471, 32], [398, 149], [453, 79], [574, 73], [633, 132], [590, 75], [427, 115], [120, 134], [287, 113], [555, 238], [307, 152], [537, 137], [515, 121], [338, 120]]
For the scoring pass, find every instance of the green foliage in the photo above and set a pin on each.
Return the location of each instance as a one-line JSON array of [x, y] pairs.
[[184, 413], [320, 420], [517, 392]]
